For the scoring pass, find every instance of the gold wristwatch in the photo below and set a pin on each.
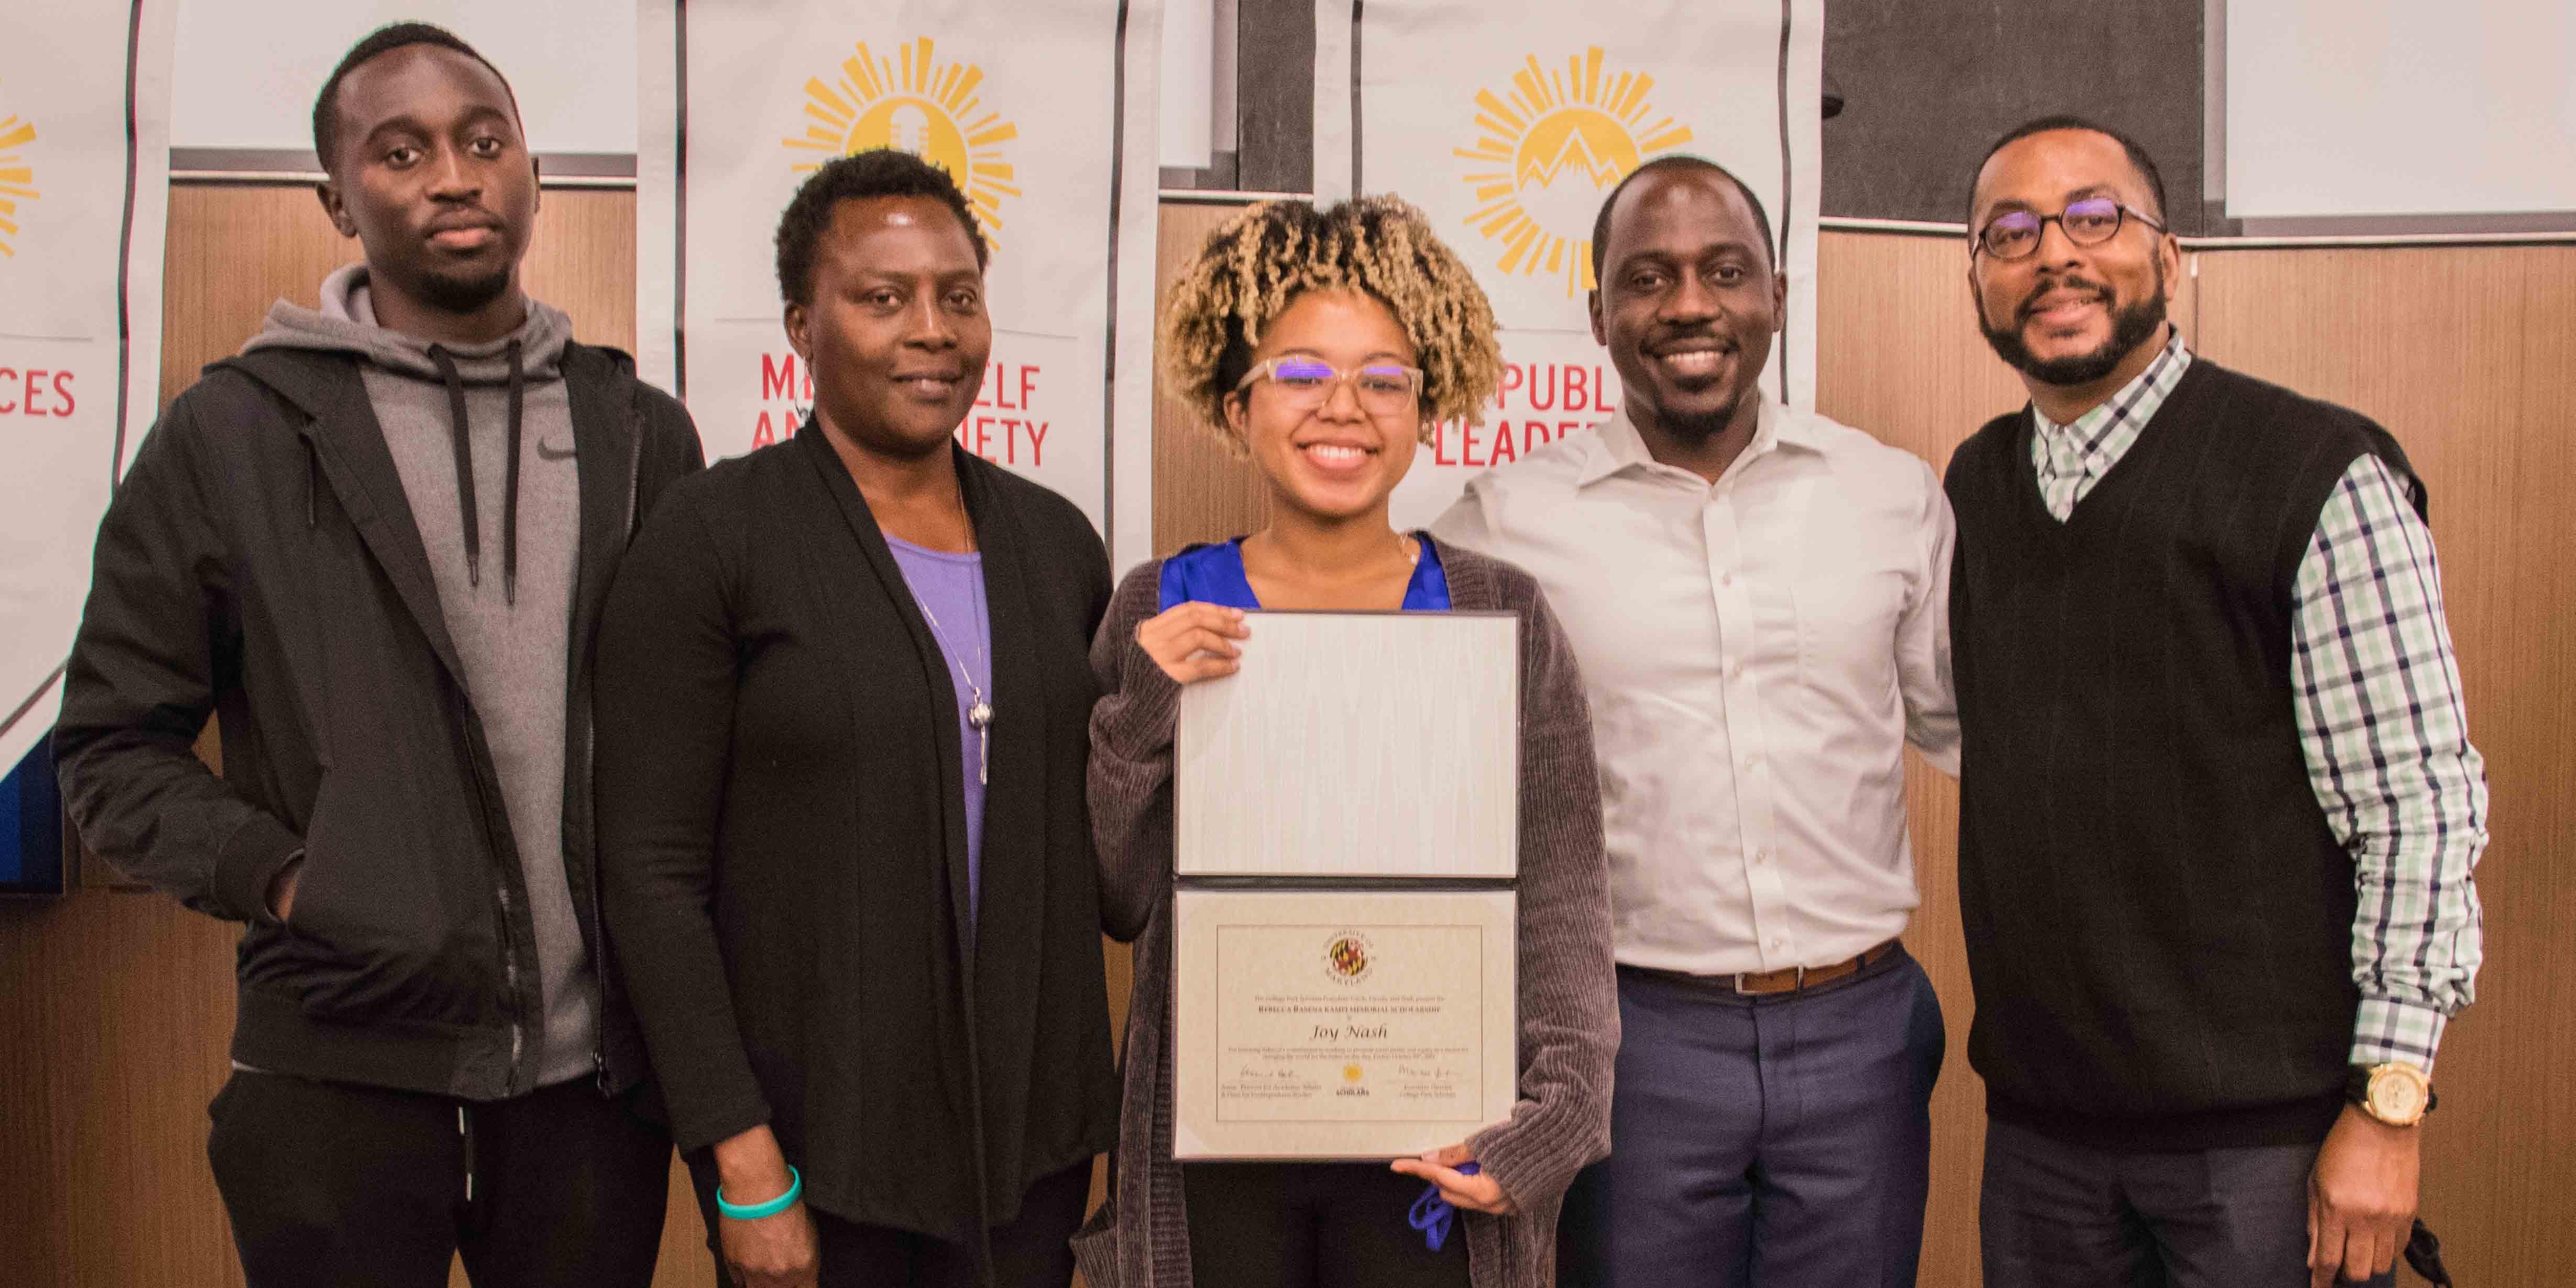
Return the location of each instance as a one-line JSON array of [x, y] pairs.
[[2395, 1093]]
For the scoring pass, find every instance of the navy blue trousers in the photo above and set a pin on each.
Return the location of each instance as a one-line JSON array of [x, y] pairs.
[[1776, 1142]]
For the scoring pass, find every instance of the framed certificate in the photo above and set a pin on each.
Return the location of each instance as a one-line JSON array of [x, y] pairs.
[[1355, 745], [1340, 1024]]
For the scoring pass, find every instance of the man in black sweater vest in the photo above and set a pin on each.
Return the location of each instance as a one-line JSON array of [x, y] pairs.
[[2218, 805]]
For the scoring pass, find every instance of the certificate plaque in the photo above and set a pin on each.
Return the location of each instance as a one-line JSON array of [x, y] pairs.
[[1340, 1024]]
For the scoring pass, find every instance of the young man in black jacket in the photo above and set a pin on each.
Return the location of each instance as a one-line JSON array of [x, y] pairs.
[[375, 545]]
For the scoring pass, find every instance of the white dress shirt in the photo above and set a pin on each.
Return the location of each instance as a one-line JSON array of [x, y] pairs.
[[1756, 653]]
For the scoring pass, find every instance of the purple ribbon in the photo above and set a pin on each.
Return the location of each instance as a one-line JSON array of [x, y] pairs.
[[1433, 1215]]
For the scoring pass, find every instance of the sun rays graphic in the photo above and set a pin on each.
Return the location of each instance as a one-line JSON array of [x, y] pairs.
[[1550, 147], [17, 179], [924, 107]]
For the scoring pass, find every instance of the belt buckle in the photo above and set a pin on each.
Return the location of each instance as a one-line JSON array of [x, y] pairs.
[[1797, 984]]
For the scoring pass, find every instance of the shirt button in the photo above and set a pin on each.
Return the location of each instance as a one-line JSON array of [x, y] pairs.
[[1778, 944], [1734, 669], [1726, 579], [1761, 857], [1751, 759]]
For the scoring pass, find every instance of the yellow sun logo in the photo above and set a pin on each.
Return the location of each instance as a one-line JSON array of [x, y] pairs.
[[1549, 154], [924, 107], [16, 176], [1350, 1073]]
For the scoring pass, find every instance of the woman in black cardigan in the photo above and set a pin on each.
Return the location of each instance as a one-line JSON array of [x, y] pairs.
[[846, 857]]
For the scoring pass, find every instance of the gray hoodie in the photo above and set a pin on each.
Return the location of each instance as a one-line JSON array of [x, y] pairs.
[[504, 549]]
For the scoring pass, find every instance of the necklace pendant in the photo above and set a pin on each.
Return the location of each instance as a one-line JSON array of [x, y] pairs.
[[980, 715]]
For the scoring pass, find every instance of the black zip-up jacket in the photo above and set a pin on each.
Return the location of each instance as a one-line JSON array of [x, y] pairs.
[[260, 562]]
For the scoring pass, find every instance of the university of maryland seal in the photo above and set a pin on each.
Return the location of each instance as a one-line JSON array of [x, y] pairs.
[[1346, 957]]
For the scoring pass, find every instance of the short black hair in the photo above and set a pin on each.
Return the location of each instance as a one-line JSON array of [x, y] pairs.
[[1679, 161], [2146, 165], [877, 172], [326, 107]]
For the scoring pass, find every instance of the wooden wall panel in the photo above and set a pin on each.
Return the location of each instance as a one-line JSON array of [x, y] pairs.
[[2468, 356], [235, 249], [115, 1016], [1203, 490], [1898, 355]]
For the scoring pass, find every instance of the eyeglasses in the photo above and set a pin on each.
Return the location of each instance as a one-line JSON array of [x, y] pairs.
[[1383, 389], [2015, 234]]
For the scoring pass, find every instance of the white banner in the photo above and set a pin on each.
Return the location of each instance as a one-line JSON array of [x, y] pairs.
[[1508, 122], [1046, 112], [84, 200]]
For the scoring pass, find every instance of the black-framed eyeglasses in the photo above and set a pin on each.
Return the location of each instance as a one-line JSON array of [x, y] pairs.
[[2015, 234]]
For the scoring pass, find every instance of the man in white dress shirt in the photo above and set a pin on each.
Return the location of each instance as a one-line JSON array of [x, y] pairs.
[[1758, 597]]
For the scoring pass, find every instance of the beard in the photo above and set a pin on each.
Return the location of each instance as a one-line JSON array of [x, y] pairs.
[[2131, 326], [463, 293], [1697, 427]]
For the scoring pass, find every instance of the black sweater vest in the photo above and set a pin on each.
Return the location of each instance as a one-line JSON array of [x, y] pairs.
[[2159, 923]]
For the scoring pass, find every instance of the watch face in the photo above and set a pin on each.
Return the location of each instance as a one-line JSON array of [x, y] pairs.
[[2396, 1098]]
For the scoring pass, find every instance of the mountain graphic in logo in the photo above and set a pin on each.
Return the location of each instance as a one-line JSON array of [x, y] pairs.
[[1548, 149], [921, 105], [1576, 153], [17, 179]]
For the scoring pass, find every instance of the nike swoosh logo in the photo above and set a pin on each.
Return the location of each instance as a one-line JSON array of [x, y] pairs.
[[546, 451]]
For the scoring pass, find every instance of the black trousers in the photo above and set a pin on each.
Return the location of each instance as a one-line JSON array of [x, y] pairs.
[[330, 1184], [2060, 1215], [1313, 1225], [1032, 1250]]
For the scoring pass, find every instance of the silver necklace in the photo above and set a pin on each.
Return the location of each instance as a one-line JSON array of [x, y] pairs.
[[979, 713]]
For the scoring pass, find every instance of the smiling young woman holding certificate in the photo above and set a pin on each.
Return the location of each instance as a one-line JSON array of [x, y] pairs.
[[1325, 344]]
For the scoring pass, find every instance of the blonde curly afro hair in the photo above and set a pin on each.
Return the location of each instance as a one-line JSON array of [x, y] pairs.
[[1254, 265]]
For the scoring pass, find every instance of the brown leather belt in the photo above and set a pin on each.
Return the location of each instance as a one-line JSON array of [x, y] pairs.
[[1787, 979]]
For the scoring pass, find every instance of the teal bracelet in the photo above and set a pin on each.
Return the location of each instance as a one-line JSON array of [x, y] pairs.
[[755, 1211]]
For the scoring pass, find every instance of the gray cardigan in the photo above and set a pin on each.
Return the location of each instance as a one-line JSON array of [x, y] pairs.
[[1569, 1008]]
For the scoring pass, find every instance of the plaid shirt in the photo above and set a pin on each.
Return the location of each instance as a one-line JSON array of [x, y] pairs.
[[2380, 719]]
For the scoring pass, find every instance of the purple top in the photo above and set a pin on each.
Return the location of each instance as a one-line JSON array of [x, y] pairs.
[[949, 588]]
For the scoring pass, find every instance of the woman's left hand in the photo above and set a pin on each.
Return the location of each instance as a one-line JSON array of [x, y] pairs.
[[1478, 1193]]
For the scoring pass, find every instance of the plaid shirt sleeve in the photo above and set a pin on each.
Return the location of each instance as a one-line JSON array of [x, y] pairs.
[[2387, 744]]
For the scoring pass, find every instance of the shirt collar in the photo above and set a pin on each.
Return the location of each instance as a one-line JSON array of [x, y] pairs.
[[2136, 403], [1616, 445]]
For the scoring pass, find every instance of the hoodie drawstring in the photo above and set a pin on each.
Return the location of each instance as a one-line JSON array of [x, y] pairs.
[[464, 449], [510, 502], [464, 461]]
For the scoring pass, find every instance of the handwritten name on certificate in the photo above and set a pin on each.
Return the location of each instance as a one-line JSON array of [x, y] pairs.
[[1341, 1024]]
